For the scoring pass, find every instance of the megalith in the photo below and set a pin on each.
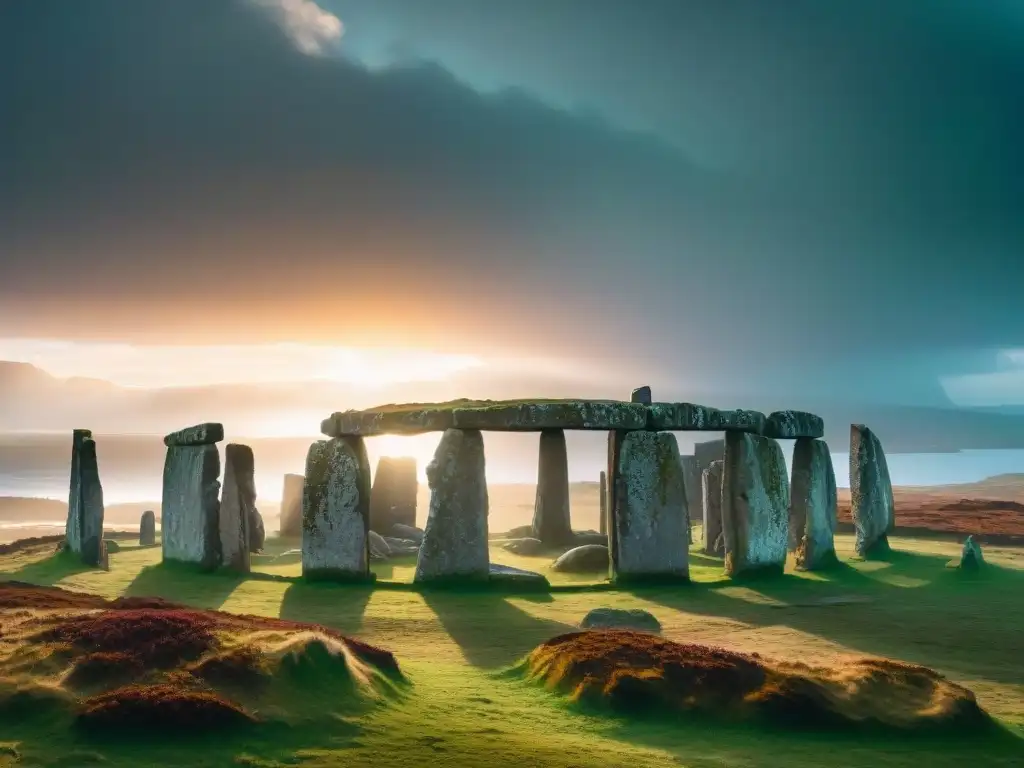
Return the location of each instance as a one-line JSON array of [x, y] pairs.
[[189, 527], [336, 511], [73, 527], [711, 487], [257, 531], [455, 542], [393, 498], [755, 505], [709, 451], [694, 493], [290, 522], [871, 499], [650, 520], [147, 529], [813, 504], [602, 491], [89, 545], [551, 517], [238, 501], [643, 396]]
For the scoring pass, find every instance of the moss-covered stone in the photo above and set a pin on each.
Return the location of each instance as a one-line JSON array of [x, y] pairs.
[[871, 500], [812, 511], [791, 425]]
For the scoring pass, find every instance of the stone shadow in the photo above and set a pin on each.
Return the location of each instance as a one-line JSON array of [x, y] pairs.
[[183, 584], [474, 618], [49, 570], [339, 606]]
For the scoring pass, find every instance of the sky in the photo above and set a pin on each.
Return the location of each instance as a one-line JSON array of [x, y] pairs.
[[802, 199]]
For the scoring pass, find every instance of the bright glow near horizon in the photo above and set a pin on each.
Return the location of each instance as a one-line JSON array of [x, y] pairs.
[[133, 365], [1004, 386]]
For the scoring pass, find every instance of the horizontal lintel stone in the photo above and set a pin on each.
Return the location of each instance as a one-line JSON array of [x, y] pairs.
[[199, 434]]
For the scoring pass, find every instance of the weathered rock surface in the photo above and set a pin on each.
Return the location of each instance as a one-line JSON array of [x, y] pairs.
[[506, 574], [971, 558], [190, 531], [73, 527], [588, 558], [147, 529], [580, 538], [813, 505], [755, 505], [551, 521], [641, 395], [336, 511], [111, 546], [708, 451], [701, 418], [618, 618], [527, 547], [602, 490], [711, 487], [257, 531], [85, 501], [872, 507], [692, 481], [651, 534], [790, 425], [393, 498], [410, 532], [238, 500], [455, 543], [379, 545], [291, 506], [199, 434]]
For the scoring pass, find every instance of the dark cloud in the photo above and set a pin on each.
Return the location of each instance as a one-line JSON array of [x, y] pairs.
[[168, 156]]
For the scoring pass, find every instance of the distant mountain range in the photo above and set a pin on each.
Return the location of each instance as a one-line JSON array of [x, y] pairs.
[[32, 400]]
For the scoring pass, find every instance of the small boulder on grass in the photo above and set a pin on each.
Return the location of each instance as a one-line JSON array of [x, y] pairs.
[[971, 558], [527, 546], [112, 546], [617, 618], [590, 558]]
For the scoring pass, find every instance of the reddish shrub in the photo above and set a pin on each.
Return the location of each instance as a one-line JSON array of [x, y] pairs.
[[161, 708]]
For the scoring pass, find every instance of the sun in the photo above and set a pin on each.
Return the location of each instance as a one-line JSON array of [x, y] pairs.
[[419, 447]]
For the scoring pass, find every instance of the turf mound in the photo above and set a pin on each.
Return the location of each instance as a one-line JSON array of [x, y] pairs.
[[634, 672], [18, 594], [161, 707]]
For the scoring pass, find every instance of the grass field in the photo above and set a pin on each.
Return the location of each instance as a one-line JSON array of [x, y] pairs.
[[459, 710]]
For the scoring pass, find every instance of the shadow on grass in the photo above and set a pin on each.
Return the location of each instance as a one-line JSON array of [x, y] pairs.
[[182, 583], [473, 618], [49, 570], [340, 606]]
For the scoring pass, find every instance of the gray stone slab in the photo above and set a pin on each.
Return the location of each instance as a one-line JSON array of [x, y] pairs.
[[199, 434], [91, 505], [692, 480], [641, 395], [813, 505], [790, 425], [684, 417], [190, 508], [147, 529], [393, 498], [711, 492], [506, 574], [602, 491], [291, 506], [237, 504], [619, 618], [73, 526], [872, 505], [551, 516]]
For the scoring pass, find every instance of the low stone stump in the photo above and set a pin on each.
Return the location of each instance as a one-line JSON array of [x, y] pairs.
[[871, 500], [711, 486], [336, 511], [813, 505], [147, 529], [650, 533], [190, 507], [755, 505], [516, 578], [290, 524], [551, 520], [455, 541], [238, 502], [694, 493], [393, 497]]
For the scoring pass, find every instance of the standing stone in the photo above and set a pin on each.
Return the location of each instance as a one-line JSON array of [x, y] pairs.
[[90, 501], [455, 540], [694, 493], [147, 529], [73, 527], [711, 482], [336, 511], [393, 498], [813, 504], [709, 451], [650, 524], [755, 505], [189, 529], [257, 531], [602, 491], [551, 521], [872, 507], [641, 395], [290, 523], [238, 500]]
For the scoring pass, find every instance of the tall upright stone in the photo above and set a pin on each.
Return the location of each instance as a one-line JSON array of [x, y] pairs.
[[551, 517], [602, 491], [190, 509], [711, 482], [290, 524], [694, 492], [643, 396], [872, 506], [237, 505], [709, 451], [336, 511], [393, 498], [90, 544], [650, 521], [73, 526], [147, 529], [755, 505], [813, 504], [455, 545]]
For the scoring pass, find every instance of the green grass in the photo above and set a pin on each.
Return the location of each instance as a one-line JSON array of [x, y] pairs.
[[460, 711]]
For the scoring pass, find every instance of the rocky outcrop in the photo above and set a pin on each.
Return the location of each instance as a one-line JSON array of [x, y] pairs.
[[694, 493], [588, 558], [551, 522], [190, 508], [238, 501], [336, 511], [455, 542], [199, 434], [755, 505], [393, 498], [872, 507], [147, 529], [791, 425], [711, 487], [291, 506], [650, 523], [618, 618], [602, 492], [813, 505]]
